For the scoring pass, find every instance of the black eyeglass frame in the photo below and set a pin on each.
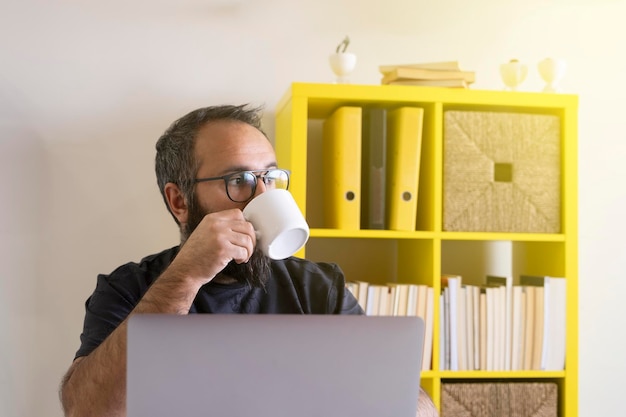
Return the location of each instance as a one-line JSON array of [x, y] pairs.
[[258, 173]]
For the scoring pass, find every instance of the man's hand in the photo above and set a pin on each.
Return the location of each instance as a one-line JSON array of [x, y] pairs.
[[95, 385], [219, 238]]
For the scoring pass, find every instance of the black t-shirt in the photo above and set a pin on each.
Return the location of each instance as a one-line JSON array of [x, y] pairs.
[[296, 286]]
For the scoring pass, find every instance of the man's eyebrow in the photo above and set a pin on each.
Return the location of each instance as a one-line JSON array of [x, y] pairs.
[[239, 168]]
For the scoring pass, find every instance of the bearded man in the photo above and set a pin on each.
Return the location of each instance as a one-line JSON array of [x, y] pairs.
[[209, 165]]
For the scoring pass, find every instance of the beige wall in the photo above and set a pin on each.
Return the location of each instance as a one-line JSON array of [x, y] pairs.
[[87, 87]]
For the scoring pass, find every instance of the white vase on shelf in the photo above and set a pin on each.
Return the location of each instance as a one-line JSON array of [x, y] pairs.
[[342, 64], [552, 71], [513, 73]]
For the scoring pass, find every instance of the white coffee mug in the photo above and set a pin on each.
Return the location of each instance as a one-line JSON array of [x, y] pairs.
[[281, 229]]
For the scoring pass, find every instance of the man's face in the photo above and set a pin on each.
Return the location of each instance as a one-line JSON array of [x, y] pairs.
[[222, 148]]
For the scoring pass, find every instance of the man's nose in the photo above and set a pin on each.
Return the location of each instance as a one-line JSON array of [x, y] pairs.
[[260, 186]]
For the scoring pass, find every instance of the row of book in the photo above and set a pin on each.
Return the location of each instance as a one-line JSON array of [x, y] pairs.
[[434, 74], [398, 299], [499, 326], [372, 167]]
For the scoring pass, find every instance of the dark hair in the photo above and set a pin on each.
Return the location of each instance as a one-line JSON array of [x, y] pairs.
[[175, 161]]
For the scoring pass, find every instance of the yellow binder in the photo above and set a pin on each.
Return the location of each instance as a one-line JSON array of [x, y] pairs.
[[404, 145], [342, 169]]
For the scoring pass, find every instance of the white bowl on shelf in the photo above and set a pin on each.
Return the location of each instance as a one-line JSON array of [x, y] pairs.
[[342, 64], [552, 71], [513, 73]]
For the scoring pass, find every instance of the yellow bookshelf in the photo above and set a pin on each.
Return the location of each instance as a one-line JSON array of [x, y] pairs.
[[420, 256]]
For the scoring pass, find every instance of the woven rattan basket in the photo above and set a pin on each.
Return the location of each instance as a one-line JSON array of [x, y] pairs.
[[515, 399], [502, 172]]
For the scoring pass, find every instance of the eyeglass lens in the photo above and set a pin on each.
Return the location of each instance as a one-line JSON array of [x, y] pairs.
[[241, 186]]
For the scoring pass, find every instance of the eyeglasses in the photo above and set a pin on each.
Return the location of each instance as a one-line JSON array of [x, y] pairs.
[[241, 186]]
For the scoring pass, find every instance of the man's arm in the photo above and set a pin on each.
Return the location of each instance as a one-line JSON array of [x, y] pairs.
[[95, 385], [425, 405]]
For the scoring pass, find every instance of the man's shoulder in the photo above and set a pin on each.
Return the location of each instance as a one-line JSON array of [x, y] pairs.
[[303, 271], [149, 266]]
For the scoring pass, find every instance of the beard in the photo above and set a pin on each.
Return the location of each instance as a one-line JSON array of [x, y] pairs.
[[255, 273]]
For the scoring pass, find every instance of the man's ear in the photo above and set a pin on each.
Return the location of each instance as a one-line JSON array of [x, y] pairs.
[[176, 202]]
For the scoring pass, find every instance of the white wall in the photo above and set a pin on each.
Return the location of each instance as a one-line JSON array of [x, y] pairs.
[[86, 88]]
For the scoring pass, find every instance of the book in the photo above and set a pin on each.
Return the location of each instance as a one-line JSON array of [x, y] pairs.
[[469, 326], [449, 333], [553, 323], [517, 328], [491, 346], [452, 284], [412, 301], [461, 329], [401, 298], [362, 293], [404, 145], [482, 300], [477, 318], [454, 83], [542, 314], [399, 73], [373, 172], [439, 66], [496, 311], [374, 293], [418, 306], [422, 302], [341, 149], [539, 336], [523, 325], [529, 333], [391, 296], [444, 360], [507, 283], [385, 302], [428, 329], [501, 328], [557, 324]]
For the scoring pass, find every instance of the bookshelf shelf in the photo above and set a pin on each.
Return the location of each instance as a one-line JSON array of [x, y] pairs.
[[517, 237], [371, 234], [500, 374], [393, 234], [422, 255]]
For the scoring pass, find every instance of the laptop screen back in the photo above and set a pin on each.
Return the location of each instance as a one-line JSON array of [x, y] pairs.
[[273, 365]]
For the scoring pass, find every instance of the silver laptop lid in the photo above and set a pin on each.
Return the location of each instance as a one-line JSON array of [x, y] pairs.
[[273, 365]]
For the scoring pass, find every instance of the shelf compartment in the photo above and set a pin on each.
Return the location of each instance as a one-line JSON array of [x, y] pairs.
[[378, 261]]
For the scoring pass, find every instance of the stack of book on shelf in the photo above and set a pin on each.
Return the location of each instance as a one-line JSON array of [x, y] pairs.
[[499, 326], [371, 167], [399, 299], [434, 74]]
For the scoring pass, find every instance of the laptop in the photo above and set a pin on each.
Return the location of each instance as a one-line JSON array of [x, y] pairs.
[[273, 365]]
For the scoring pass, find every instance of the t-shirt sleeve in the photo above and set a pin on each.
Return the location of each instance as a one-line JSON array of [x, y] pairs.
[[344, 301], [105, 309], [350, 305]]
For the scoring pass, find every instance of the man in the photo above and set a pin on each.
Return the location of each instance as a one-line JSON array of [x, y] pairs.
[[209, 165]]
